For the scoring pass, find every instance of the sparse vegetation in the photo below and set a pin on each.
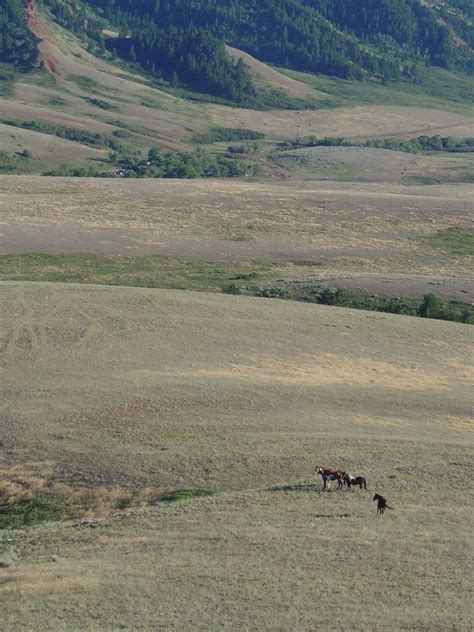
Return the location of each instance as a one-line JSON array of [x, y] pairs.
[[417, 145], [185, 494], [93, 139], [434, 88], [185, 165], [100, 103], [456, 240], [15, 163], [230, 278], [7, 81]]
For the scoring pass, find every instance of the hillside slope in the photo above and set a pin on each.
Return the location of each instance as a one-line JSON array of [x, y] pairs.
[[110, 390], [82, 91], [133, 371]]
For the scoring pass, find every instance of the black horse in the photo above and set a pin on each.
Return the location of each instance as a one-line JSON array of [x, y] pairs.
[[381, 504], [355, 480]]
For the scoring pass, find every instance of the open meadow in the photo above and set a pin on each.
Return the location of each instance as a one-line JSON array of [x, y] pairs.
[[386, 238], [114, 397]]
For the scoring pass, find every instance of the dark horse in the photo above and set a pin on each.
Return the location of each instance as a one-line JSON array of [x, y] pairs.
[[381, 504], [355, 480], [329, 474]]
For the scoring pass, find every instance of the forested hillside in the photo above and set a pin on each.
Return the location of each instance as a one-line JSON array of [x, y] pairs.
[[184, 40], [17, 42], [337, 37]]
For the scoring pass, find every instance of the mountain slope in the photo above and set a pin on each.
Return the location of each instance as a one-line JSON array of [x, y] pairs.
[[373, 38], [81, 90]]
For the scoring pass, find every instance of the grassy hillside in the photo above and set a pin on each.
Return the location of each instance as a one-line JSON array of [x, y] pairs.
[[157, 391]]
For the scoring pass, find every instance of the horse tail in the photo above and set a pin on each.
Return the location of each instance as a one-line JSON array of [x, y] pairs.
[[364, 483], [387, 507]]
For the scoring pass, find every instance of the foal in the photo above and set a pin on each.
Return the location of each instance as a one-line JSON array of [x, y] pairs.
[[381, 504]]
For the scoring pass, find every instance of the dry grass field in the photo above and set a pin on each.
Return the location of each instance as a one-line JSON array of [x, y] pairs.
[[107, 390], [370, 234]]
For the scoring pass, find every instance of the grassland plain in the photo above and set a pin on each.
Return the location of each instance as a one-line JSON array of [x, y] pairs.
[[120, 388], [382, 237]]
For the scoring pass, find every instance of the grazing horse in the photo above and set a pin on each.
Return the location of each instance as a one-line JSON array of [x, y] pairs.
[[381, 504], [329, 474], [355, 480]]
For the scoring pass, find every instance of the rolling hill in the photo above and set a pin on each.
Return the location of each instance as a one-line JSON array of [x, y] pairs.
[[235, 243], [113, 397]]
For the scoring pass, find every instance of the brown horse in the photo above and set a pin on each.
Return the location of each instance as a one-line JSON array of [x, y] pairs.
[[329, 474]]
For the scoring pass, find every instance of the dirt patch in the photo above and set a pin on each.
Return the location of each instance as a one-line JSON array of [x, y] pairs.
[[411, 286]]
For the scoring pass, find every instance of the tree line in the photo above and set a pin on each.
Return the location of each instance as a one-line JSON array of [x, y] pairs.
[[183, 41], [380, 38], [17, 42]]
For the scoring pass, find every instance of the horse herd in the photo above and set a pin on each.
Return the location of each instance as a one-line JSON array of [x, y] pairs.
[[329, 474]]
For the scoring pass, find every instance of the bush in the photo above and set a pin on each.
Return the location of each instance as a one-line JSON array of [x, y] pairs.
[[430, 307], [232, 288], [329, 296], [29, 511], [185, 494], [227, 134]]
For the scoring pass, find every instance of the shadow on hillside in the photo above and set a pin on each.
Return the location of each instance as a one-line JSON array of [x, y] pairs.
[[298, 487]]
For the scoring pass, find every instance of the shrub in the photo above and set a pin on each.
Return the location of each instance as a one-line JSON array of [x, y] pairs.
[[430, 307], [185, 494], [232, 288], [29, 511]]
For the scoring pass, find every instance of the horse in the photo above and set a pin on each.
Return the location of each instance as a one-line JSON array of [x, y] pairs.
[[329, 474], [355, 480], [381, 504]]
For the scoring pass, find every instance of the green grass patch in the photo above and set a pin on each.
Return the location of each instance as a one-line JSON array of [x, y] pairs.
[[30, 511], [83, 82], [185, 494], [273, 280], [435, 88], [424, 180], [138, 271], [455, 241]]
